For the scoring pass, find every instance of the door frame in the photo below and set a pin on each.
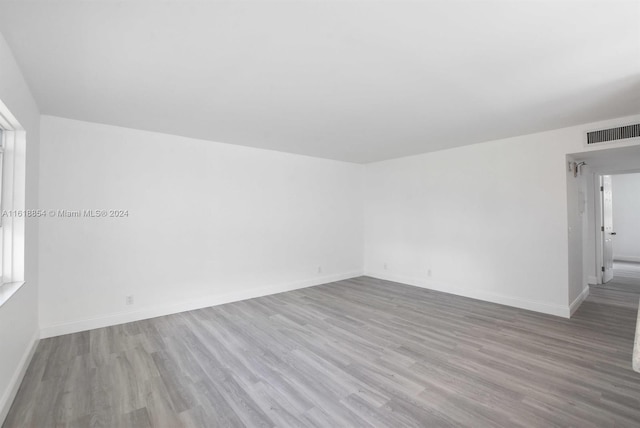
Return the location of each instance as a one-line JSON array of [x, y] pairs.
[[599, 234], [598, 211]]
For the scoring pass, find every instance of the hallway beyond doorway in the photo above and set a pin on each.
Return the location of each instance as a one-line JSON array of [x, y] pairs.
[[626, 270]]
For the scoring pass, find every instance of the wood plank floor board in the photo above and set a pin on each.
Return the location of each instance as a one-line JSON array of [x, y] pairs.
[[357, 353]]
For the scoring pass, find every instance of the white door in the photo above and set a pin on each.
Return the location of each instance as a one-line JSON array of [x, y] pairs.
[[607, 229]]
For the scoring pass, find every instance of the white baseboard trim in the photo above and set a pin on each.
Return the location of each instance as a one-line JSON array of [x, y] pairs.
[[593, 280], [634, 259], [531, 305], [578, 300], [203, 302], [12, 389]]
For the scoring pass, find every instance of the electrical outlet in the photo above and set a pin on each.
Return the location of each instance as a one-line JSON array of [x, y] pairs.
[[129, 300], [319, 269], [429, 273], [386, 267]]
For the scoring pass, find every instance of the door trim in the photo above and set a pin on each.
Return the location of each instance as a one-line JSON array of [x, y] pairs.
[[599, 234]]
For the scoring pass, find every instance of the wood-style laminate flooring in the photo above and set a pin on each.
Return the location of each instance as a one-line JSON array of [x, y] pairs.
[[626, 270], [355, 353]]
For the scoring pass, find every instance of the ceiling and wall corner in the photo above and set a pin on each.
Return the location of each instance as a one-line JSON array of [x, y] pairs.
[[354, 81]]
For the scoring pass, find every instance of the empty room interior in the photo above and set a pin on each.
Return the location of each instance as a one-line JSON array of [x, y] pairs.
[[319, 213]]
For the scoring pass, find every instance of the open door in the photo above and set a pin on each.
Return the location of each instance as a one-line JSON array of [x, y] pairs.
[[607, 229]]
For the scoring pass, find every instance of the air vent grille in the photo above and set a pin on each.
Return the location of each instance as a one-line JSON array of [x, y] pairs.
[[612, 134]]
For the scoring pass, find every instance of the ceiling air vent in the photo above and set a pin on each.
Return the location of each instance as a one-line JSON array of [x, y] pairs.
[[613, 134]]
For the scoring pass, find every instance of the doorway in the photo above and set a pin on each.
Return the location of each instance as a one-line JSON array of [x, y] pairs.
[[603, 232], [620, 229]]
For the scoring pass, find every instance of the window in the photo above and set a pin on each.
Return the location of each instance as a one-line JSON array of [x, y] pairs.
[[12, 204]]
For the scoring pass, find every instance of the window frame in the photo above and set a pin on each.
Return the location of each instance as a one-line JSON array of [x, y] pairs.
[[12, 189]]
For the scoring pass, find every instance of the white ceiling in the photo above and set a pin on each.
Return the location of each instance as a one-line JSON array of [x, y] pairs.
[[351, 80]]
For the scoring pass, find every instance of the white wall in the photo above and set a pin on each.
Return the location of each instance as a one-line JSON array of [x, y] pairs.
[[626, 217], [577, 214], [489, 220], [207, 223], [19, 315]]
